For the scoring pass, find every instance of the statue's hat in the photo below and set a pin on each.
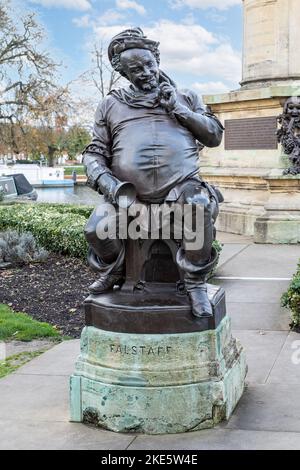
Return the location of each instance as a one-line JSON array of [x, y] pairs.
[[130, 39]]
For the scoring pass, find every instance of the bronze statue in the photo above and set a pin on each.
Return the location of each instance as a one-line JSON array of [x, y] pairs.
[[148, 136], [289, 134]]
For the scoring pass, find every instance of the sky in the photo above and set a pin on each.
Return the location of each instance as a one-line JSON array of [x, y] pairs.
[[200, 40]]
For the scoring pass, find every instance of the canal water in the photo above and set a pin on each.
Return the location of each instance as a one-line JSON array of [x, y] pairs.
[[72, 195]]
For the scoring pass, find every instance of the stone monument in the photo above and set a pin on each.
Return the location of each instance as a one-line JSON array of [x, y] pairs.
[[157, 353], [249, 165]]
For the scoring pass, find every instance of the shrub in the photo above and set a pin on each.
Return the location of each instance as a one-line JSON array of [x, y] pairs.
[[20, 248], [83, 210], [291, 299], [1, 194], [58, 228]]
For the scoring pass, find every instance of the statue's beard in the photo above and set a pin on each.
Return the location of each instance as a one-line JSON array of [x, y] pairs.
[[149, 86], [295, 119]]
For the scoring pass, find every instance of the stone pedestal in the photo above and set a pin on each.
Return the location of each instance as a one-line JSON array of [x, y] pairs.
[[262, 204], [184, 378], [248, 166], [280, 222], [271, 38]]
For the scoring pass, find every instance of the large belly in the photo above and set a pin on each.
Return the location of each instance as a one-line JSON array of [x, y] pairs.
[[154, 157]]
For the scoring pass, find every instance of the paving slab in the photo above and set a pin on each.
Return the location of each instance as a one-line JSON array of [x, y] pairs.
[[34, 406], [258, 316], [34, 435], [268, 408], [51, 362], [34, 398], [220, 439], [17, 347], [262, 350], [228, 238], [252, 291], [228, 252], [263, 261], [286, 369]]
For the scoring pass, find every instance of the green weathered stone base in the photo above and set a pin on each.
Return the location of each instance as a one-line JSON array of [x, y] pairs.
[[157, 384], [274, 228]]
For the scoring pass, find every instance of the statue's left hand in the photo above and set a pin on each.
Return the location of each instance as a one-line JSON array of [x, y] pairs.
[[168, 97]]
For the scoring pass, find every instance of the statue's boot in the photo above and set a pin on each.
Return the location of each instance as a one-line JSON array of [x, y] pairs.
[[106, 282], [201, 306], [110, 274], [195, 282]]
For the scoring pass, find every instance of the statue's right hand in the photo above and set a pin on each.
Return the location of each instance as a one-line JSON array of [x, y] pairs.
[[107, 184]]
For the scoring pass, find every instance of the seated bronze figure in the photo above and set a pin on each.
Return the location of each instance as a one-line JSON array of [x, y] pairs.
[[149, 135]]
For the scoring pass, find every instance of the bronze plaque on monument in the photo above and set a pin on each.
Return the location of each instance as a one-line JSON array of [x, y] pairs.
[[251, 133]]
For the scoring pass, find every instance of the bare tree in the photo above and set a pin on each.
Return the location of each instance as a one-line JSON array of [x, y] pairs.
[[26, 73], [101, 75], [91, 87], [50, 118]]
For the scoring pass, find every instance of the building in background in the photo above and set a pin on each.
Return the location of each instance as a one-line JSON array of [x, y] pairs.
[[248, 166]]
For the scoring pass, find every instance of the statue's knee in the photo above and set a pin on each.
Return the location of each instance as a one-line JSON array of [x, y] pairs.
[[214, 209], [201, 200], [90, 232]]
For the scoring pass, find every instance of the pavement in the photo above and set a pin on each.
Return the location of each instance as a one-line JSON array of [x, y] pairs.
[[17, 347], [34, 400]]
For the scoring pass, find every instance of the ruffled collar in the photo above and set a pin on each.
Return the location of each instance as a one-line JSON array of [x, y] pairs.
[[136, 98]]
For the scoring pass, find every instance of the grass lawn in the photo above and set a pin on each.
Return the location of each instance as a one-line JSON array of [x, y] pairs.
[[12, 363], [78, 168], [19, 326]]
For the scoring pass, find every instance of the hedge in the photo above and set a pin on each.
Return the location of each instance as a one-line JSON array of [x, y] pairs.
[[291, 299], [83, 210], [57, 227]]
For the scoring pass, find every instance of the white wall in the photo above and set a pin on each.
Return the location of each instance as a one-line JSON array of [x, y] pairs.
[[34, 173]]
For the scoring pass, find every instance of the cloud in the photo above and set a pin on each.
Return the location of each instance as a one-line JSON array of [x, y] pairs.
[[3, 85], [70, 4], [105, 33], [193, 49], [130, 4], [83, 21], [216, 17], [204, 4], [222, 62], [188, 49], [109, 17], [210, 88]]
